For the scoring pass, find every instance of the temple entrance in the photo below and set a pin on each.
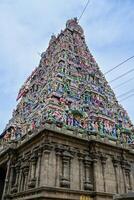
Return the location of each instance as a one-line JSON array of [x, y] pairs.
[[2, 179]]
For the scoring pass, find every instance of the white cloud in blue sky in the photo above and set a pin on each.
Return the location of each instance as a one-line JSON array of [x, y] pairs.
[[26, 27]]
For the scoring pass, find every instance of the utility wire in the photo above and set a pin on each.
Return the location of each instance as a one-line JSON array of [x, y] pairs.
[[127, 97], [121, 75], [119, 65], [124, 94], [83, 10], [123, 83]]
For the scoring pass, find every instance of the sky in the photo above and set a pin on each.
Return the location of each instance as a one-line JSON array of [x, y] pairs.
[[27, 25]]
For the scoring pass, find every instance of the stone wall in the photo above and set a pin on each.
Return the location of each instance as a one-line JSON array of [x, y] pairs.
[[68, 167]]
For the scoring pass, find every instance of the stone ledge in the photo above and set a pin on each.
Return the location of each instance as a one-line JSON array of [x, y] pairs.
[[50, 192], [62, 131], [128, 196], [56, 193]]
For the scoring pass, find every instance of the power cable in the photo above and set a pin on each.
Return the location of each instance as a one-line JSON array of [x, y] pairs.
[[124, 94], [121, 75], [127, 97], [119, 65], [83, 10], [123, 83]]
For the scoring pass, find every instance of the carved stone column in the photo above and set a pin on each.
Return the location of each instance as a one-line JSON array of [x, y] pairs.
[[20, 177], [131, 178], [26, 171], [116, 165], [17, 171], [103, 163], [11, 178], [39, 166], [87, 165], [95, 170], [128, 176], [33, 161], [123, 166], [80, 158], [65, 179], [57, 173], [47, 147], [7, 176]]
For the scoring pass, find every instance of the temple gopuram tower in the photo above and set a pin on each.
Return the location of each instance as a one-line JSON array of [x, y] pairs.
[[68, 137]]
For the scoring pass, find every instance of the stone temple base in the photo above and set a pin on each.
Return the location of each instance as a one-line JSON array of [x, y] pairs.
[[53, 163]]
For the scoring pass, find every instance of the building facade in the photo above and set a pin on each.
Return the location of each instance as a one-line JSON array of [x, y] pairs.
[[68, 138], [58, 164]]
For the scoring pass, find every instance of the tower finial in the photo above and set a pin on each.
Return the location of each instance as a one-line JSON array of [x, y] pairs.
[[72, 24]]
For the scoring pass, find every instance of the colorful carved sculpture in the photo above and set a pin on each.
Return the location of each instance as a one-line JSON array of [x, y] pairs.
[[68, 89]]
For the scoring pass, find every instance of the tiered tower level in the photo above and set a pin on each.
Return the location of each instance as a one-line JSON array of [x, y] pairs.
[[69, 90]]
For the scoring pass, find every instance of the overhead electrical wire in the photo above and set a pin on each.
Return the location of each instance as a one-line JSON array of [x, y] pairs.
[[125, 93], [118, 77], [127, 97], [83, 10], [123, 83], [116, 65], [119, 65]]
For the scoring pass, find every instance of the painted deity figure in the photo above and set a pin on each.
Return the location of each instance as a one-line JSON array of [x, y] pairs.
[[87, 98], [76, 122], [96, 100], [60, 88], [114, 131], [49, 88], [70, 120], [84, 123], [96, 126], [118, 132], [17, 132], [107, 128], [91, 125], [101, 127], [58, 116], [12, 134], [33, 125], [7, 136], [100, 89]]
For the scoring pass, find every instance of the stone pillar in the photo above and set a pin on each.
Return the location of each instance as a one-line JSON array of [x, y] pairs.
[[80, 158], [123, 166], [129, 180], [95, 171], [132, 181], [116, 164], [87, 165], [57, 173], [7, 177], [11, 178], [25, 171], [20, 179], [33, 160], [103, 163], [46, 150], [17, 171], [66, 162], [39, 167]]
